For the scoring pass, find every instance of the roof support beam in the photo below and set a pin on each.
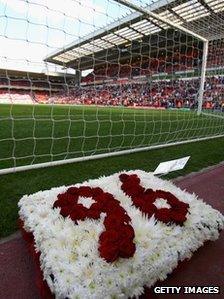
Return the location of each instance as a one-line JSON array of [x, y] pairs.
[[98, 46], [137, 31], [109, 42], [203, 3], [121, 36], [176, 15], [154, 23], [157, 17]]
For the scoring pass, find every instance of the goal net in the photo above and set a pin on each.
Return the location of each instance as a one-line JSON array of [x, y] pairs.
[[88, 79]]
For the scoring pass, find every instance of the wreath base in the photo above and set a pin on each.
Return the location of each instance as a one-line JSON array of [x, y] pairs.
[[42, 286]]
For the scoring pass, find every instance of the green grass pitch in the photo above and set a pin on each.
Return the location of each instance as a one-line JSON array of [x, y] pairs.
[[104, 129], [35, 134]]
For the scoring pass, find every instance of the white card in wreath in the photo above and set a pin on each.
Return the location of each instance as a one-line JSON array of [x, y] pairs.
[[172, 165]]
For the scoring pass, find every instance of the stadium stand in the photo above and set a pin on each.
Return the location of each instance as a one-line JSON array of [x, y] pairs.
[[146, 66], [22, 87], [128, 83], [157, 94]]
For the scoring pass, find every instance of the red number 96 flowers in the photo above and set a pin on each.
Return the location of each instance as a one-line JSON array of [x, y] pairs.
[[144, 199], [117, 239]]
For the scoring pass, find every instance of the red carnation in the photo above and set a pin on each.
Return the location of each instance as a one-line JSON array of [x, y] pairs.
[[183, 205], [64, 199], [85, 191], [93, 213], [132, 189], [113, 221], [73, 190], [134, 177], [110, 205], [138, 202], [148, 208], [123, 177], [109, 253], [127, 232], [163, 215], [104, 198], [96, 191], [149, 198], [79, 212], [178, 217], [109, 236], [172, 200], [128, 250], [65, 211], [149, 192]]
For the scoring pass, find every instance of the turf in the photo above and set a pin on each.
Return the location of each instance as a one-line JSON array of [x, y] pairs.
[[168, 126], [35, 134]]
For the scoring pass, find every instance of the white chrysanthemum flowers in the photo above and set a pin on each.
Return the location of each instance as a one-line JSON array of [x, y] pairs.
[[70, 253]]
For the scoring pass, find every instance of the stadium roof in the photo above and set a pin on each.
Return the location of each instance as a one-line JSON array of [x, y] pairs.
[[10, 73], [204, 17]]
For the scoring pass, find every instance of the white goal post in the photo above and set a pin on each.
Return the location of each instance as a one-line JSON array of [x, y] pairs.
[[82, 81], [185, 30]]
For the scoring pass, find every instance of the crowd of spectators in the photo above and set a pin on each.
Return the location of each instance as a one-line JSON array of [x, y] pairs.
[[216, 54], [157, 94], [22, 96]]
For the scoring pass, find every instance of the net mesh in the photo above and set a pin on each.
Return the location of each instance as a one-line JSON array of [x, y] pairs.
[[82, 78]]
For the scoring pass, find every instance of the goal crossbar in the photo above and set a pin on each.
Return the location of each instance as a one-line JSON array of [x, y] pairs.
[[205, 41]]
